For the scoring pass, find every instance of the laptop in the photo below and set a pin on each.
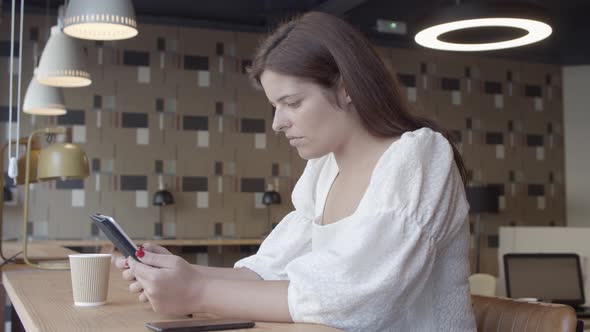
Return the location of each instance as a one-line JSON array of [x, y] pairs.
[[555, 278]]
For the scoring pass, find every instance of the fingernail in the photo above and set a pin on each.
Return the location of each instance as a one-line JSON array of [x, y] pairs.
[[139, 253], [126, 264]]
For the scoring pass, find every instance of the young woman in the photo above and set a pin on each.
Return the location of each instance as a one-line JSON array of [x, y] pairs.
[[379, 236]]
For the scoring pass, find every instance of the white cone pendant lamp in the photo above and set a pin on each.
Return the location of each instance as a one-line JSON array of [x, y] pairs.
[[43, 99], [63, 63], [100, 19]]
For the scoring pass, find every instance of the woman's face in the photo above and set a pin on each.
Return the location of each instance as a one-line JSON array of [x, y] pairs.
[[307, 113]]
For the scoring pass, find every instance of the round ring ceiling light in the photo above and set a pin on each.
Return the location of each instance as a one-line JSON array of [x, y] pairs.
[[484, 27]]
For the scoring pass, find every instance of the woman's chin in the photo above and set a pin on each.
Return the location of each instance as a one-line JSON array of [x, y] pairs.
[[307, 154]]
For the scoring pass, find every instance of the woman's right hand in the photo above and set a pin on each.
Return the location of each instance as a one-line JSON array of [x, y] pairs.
[[121, 262]]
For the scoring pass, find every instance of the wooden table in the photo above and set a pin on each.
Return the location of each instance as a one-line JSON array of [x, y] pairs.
[[37, 251], [174, 245], [43, 301]]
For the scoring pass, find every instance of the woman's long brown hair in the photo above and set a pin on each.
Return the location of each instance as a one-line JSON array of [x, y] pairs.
[[327, 50]]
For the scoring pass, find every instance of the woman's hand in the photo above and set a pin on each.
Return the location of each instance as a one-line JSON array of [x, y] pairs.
[[122, 263], [169, 283]]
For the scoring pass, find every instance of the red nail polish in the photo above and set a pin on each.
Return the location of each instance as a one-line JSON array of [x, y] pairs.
[[139, 253]]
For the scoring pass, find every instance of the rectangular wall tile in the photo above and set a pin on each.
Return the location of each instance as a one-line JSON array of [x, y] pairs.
[[408, 80], [159, 167], [72, 117], [4, 115], [134, 120], [219, 49], [203, 78], [136, 58], [144, 75], [97, 101], [252, 185], [171, 104], [159, 105], [253, 126], [218, 168], [108, 103], [492, 87], [170, 229], [203, 200], [95, 165], [450, 84], [79, 134], [143, 136], [536, 190], [533, 91], [30, 228], [5, 48], [534, 140], [107, 165], [494, 138], [133, 182], [161, 44], [196, 62], [202, 138], [260, 141], [194, 183], [258, 201], [69, 184], [193, 122], [78, 198], [141, 199]]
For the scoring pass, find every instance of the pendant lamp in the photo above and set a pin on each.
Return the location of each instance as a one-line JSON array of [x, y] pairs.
[[41, 99], [100, 20], [481, 26], [62, 63]]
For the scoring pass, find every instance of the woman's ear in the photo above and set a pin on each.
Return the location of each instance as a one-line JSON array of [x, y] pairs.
[[347, 98], [343, 96]]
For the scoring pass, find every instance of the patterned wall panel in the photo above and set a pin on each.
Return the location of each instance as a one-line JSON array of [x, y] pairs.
[[175, 104]]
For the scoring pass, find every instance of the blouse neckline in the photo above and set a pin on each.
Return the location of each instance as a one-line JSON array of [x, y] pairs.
[[332, 178]]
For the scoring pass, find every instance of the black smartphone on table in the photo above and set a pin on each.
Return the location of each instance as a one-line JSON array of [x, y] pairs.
[[190, 325]]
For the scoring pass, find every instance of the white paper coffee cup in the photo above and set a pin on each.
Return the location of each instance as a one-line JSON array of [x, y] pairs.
[[90, 278]]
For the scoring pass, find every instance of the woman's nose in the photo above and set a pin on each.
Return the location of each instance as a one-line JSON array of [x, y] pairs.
[[280, 121]]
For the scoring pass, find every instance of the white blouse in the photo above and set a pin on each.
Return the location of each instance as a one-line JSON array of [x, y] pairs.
[[400, 262]]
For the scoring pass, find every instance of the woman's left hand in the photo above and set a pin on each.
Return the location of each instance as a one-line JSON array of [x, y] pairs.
[[171, 284]]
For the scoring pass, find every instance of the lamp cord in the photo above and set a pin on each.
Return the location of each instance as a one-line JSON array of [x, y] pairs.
[[47, 27], [10, 79], [12, 169], [20, 73], [10, 259]]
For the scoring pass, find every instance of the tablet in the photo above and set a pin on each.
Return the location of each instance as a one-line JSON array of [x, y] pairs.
[[115, 233]]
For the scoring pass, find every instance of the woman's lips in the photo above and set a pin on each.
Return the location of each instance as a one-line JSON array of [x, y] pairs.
[[294, 141]]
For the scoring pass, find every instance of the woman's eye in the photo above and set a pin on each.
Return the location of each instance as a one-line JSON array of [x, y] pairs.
[[294, 105]]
